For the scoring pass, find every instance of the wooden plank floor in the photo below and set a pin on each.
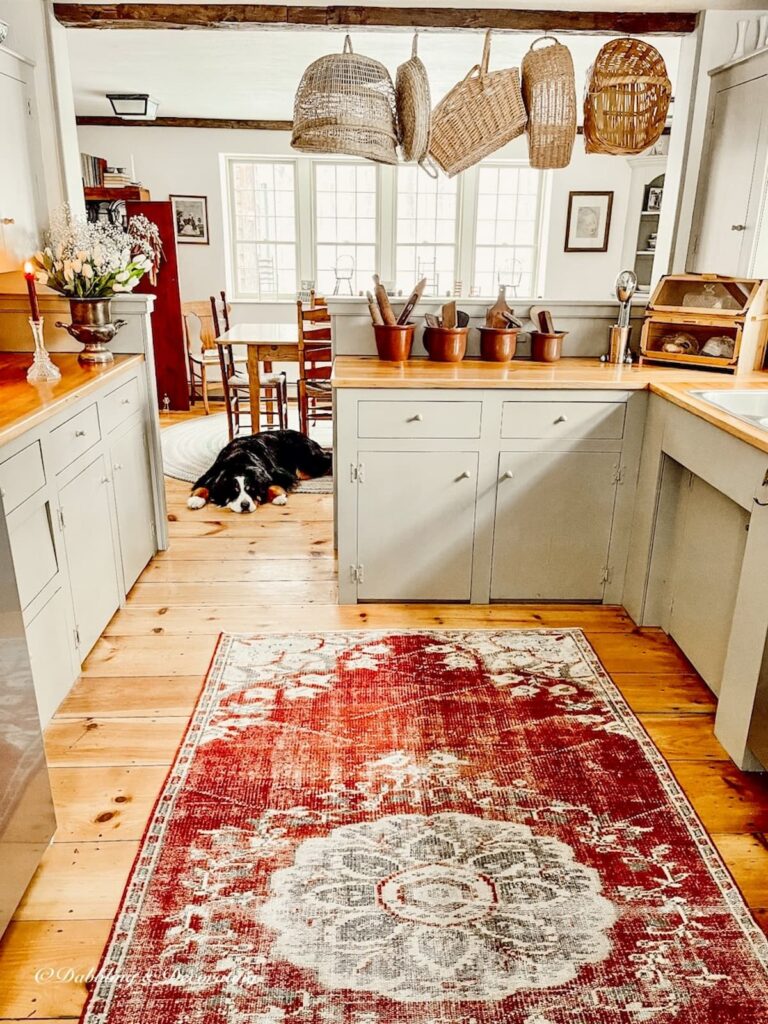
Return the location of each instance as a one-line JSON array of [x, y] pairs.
[[114, 736]]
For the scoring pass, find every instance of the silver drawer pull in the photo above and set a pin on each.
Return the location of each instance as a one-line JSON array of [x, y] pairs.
[[466, 475], [738, 227], [508, 475], [79, 433], [118, 466], [125, 401], [416, 418], [7, 220], [561, 419]]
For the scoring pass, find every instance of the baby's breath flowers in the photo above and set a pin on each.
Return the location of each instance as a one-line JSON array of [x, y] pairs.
[[87, 260]]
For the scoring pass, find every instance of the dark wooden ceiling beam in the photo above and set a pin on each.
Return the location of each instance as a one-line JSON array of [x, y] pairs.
[[189, 122], [260, 16]]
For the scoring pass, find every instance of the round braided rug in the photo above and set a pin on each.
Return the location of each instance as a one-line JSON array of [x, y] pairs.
[[191, 447]]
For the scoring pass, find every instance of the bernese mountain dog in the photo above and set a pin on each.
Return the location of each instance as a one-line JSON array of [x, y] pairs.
[[251, 471]]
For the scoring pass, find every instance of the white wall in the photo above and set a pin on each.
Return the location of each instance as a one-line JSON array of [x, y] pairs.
[[187, 161]]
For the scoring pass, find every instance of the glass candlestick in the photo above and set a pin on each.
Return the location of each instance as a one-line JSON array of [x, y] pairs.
[[42, 368]]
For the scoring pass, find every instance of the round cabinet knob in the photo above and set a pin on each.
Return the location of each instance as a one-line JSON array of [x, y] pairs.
[[508, 475], [738, 227], [561, 419], [79, 433], [105, 479], [125, 401], [118, 466], [466, 475], [7, 220], [416, 418]]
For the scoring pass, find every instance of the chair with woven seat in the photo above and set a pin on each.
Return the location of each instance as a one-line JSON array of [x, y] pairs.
[[315, 358], [273, 385], [200, 333]]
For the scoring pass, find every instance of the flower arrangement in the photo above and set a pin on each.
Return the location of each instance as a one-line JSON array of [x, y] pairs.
[[85, 260]]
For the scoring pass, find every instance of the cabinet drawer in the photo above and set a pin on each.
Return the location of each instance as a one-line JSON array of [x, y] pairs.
[[119, 404], [34, 556], [21, 476], [595, 420], [74, 437], [419, 419]]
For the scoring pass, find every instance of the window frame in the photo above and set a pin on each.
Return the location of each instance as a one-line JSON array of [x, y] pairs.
[[457, 227], [230, 160]]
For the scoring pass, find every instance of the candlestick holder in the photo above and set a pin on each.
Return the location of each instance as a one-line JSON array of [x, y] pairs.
[[42, 367]]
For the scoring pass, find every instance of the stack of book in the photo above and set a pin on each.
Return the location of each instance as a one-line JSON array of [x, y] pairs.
[[117, 177], [93, 170]]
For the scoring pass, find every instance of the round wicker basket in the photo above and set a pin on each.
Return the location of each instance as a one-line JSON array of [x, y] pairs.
[[413, 107], [478, 116], [345, 103], [549, 93], [627, 98]]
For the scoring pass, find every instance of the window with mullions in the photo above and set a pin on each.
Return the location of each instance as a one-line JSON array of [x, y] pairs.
[[507, 229], [425, 231], [345, 226], [263, 228]]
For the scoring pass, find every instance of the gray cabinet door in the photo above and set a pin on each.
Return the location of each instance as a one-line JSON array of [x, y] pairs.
[[87, 513], [133, 500], [552, 530], [416, 519]]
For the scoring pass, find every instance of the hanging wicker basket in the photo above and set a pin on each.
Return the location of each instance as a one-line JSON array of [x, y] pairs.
[[549, 93], [345, 103], [627, 98], [478, 116], [414, 109]]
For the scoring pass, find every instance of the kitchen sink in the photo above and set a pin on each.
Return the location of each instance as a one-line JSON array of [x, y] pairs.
[[750, 406]]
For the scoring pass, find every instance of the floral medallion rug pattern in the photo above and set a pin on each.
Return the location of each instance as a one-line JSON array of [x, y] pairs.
[[436, 827]]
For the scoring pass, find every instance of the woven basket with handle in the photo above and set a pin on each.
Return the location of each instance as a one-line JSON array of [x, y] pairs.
[[345, 103], [479, 115], [414, 109], [627, 98], [549, 93]]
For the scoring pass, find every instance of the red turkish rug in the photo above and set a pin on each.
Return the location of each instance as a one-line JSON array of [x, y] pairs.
[[449, 827]]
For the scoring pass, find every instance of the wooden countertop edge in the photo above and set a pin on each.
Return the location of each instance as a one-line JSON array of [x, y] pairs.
[[25, 422]]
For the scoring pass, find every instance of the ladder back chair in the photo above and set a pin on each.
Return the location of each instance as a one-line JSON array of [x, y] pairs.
[[200, 333], [315, 362]]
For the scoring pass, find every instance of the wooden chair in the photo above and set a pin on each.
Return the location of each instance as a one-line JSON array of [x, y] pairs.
[[273, 386], [315, 363], [200, 333]]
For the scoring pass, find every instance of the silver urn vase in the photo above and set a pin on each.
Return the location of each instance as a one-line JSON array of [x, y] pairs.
[[92, 325]]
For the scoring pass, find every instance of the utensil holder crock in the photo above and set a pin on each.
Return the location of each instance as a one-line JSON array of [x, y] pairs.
[[446, 344], [394, 341], [497, 344], [546, 348]]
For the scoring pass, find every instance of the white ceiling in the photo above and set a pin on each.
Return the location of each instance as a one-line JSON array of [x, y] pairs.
[[254, 74]]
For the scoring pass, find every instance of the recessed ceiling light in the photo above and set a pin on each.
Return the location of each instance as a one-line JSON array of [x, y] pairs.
[[133, 106]]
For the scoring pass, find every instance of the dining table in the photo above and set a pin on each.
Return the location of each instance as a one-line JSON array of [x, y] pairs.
[[264, 343]]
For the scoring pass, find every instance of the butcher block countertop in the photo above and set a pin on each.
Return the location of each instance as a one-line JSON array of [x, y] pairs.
[[672, 383], [24, 405]]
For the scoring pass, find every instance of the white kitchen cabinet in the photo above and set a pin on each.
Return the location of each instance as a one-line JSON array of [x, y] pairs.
[[86, 511], [552, 527], [416, 515], [49, 641], [19, 165], [732, 180], [133, 499]]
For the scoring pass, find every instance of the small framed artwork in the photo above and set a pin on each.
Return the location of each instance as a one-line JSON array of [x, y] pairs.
[[655, 195], [190, 217], [589, 221]]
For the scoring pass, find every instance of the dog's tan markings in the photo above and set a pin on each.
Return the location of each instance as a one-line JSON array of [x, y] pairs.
[[302, 475], [198, 497], [277, 495]]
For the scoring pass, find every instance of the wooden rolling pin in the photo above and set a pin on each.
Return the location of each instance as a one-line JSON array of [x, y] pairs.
[[383, 300], [546, 323], [373, 308]]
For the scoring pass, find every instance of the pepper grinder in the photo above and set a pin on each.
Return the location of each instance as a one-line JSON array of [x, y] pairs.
[[626, 285]]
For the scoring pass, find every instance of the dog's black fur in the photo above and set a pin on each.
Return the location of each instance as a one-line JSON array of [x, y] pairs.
[[275, 458]]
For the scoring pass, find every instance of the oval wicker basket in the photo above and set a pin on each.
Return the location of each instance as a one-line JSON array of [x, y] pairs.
[[627, 98], [549, 93], [479, 115], [345, 103], [413, 107]]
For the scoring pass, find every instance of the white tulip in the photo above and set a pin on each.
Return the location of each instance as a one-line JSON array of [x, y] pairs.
[[69, 274], [77, 266], [118, 287], [87, 270], [49, 252], [131, 284], [40, 257], [122, 276], [42, 277]]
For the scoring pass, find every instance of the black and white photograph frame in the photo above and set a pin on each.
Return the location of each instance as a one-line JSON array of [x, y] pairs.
[[655, 196], [588, 226], [190, 219]]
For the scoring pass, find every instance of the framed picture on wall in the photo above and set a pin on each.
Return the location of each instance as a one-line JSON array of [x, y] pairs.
[[190, 217], [589, 221]]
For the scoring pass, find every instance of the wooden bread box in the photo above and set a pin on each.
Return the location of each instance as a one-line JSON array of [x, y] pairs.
[[686, 311]]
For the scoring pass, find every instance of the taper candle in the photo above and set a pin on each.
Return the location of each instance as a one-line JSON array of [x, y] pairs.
[[29, 277]]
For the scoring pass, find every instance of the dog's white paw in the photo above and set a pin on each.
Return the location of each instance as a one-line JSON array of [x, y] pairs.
[[281, 499], [195, 501]]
